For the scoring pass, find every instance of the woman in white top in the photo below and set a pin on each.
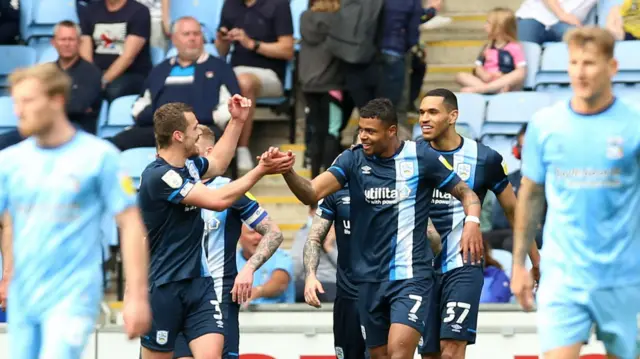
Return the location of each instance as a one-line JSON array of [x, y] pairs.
[[542, 21]]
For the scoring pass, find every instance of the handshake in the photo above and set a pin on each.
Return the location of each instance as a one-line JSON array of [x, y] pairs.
[[274, 161]]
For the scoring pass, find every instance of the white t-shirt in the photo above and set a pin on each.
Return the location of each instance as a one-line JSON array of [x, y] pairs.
[[538, 10]]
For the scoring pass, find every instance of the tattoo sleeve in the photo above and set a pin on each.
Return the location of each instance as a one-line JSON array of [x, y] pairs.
[[470, 201], [301, 187], [529, 210], [434, 238], [313, 246], [271, 239]]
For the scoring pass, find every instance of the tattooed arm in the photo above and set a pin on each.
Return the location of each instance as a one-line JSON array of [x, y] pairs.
[[271, 239], [434, 238], [313, 247], [469, 199], [529, 210]]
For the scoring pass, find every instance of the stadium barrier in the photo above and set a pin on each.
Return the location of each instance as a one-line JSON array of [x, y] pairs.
[[295, 331]]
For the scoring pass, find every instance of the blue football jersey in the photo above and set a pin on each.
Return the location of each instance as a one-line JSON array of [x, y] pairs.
[[175, 230], [336, 208], [57, 199], [590, 168], [390, 200], [483, 169]]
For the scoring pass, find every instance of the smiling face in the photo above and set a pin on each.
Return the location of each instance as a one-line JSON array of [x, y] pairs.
[[375, 135], [435, 118]]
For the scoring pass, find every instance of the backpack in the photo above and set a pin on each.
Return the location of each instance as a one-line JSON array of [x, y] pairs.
[[354, 32], [505, 60]]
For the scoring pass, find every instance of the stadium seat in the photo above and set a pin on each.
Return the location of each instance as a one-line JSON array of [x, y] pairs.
[[507, 112], [210, 48], [45, 14], [297, 8], [554, 64], [157, 55], [207, 12], [47, 54], [135, 160], [472, 108], [13, 57], [104, 113], [626, 52], [287, 103], [505, 259], [8, 119], [119, 116], [532, 53], [503, 145]]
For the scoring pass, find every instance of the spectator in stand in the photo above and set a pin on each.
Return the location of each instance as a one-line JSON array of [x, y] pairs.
[[623, 20], [501, 66], [543, 21], [116, 38], [496, 287], [273, 282], [321, 78], [326, 272], [193, 77], [83, 106], [9, 22], [262, 34]]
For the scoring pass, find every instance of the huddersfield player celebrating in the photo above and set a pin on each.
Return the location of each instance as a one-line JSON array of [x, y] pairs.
[[183, 298], [390, 186], [584, 157], [56, 187], [461, 283], [223, 229]]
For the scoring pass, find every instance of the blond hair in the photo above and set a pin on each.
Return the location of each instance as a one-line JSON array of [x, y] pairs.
[[325, 5], [207, 134], [602, 39], [502, 22], [55, 81]]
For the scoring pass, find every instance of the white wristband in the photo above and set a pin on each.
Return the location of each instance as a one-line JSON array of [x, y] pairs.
[[473, 219]]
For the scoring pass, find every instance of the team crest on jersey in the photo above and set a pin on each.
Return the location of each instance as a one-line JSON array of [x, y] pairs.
[[406, 169], [615, 148], [162, 336], [193, 171], [464, 171]]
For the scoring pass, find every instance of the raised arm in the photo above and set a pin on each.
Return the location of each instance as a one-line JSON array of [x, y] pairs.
[[311, 191]]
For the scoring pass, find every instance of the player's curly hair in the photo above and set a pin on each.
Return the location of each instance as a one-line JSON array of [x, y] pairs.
[[167, 119], [382, 109]]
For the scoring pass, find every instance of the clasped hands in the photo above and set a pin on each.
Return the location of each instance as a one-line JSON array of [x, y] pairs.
[[274, 161]]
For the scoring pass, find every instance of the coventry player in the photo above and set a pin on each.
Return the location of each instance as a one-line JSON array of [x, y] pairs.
[[583, 155], [55, 189]]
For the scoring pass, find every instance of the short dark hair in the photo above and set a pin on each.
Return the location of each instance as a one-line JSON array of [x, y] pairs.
[[523, 129], [448, 98], [382, 109], [167, 119]]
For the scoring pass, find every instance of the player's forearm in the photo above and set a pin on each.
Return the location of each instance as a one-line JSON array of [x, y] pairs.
[[529, 210], [469, 199], [272, 288], [6, 247], [271, 239], [301, 187], [135, 253], [435, 241], [313, 246], [225, 148], [225, 196]]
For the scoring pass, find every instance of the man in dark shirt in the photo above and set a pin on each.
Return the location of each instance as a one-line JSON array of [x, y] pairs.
[[116, 38], [9, 22], [84, 102], [262, 33]]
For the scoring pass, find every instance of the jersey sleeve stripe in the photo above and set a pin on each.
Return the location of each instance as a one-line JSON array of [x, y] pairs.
[[447, 180], [501, 185], [257, 217], [337, 170], [251, 207], [180, 191]]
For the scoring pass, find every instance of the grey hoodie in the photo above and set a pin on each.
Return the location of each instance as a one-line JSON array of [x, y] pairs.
[[318, 70]]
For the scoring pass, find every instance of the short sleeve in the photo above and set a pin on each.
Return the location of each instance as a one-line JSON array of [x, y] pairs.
[[496, 175], [116, 187], [201, 164], [342, 166], [327, 208], [439, 173], [140, 23], [283, 21], [517, 52], [86, 23], [533, 166], [225, 19], [167, 184], [250, 210], [283, 261]]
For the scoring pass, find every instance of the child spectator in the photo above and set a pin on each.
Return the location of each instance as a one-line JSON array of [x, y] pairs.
[[496, 283], [501, 66]]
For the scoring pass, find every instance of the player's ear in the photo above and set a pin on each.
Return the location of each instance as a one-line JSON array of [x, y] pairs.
[[613, 67], [178, 136], [453, 116], [392, 130]]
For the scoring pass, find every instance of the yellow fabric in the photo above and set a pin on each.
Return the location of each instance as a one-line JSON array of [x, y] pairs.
[[630, 11]]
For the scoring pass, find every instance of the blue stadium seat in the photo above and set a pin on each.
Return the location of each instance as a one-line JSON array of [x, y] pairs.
[[210, 48], [157, 55], [8, 119], [626, 52], [119, 116], [553, 65], [47, 54], [297, 8], [285, 104], [603, 8], [135, 160], [45, 14], [13, 57], [508, 111], [503, 145], [532, 53], [472, 110], [104, 113], [207, 12]]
